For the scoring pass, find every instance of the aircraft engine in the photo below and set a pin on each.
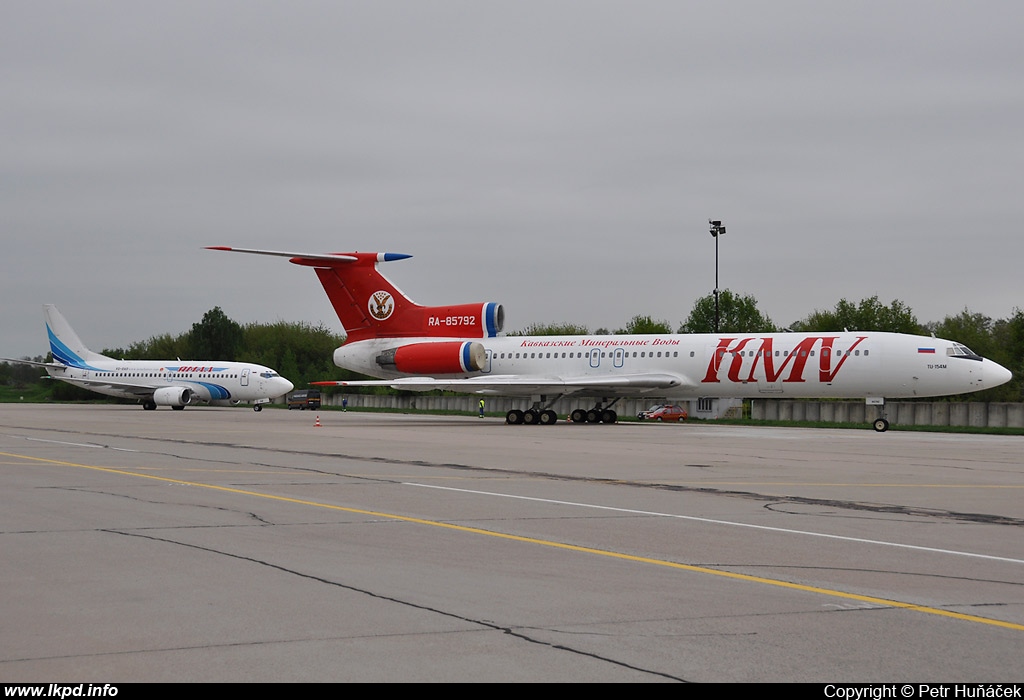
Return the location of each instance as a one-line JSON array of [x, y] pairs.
[[434, 358], [172, 396]]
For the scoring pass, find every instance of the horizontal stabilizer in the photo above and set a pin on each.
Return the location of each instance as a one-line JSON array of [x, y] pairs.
[[51, 365], [326, 257]]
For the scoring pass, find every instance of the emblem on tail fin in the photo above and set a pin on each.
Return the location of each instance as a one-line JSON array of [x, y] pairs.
[[380, 305]]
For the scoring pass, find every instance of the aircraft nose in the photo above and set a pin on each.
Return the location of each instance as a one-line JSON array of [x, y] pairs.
[[996, 374], [285, 386]]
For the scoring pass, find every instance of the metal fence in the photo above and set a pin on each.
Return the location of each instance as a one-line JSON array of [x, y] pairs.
[[974, 414]]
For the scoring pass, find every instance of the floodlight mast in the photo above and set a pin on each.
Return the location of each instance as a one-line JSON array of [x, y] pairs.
[[716, 230]]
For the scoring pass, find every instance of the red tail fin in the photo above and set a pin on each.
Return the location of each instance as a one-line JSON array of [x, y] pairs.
[[370, 306], [366, 302]]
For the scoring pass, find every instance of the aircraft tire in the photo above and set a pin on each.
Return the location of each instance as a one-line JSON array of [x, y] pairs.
[[531, 417], [548, 417], [593, 416], [881, 425], [257, 408], [178, 408], [579, 416], [514, 417], [609, 416]]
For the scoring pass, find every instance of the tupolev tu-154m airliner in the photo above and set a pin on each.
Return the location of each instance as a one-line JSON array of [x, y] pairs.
[[457, 348], [171, 383]]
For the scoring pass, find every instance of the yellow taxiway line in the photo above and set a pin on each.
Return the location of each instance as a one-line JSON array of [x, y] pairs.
[[884, 602]]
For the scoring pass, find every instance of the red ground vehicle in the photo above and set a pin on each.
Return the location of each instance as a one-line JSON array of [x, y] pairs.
[[668, 412]]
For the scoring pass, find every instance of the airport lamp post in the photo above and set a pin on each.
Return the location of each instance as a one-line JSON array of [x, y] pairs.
[[716, 230]]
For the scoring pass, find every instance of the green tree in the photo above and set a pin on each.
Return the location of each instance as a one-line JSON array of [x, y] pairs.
[[18, 375], [563, 328], [972, 329], [1009, 335], [62, 391], [159, 347], [300, 352], [737, 314], [215, 337], [1009, 338], [644, 325], [869, 315]]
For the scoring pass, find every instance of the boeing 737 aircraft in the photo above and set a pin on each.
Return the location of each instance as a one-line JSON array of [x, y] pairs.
[[156, 382], [457, 348]]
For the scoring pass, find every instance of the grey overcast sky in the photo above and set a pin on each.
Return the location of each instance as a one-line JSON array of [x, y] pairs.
[[561, 158]]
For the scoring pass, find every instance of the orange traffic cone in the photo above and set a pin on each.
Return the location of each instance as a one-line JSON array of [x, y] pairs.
[[317, 424]]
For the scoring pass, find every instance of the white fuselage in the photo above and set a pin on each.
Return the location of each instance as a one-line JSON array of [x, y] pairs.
[[218, 383], [744, 365]]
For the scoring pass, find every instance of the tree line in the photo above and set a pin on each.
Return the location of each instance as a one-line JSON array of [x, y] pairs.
[[304, 353]]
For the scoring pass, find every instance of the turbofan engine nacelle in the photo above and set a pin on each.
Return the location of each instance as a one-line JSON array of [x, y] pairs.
[[172, 396], [434, 358]]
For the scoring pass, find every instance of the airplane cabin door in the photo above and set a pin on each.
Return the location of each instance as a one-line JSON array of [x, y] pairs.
[[245, 377]]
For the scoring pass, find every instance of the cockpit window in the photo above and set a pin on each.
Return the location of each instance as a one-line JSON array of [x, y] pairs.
[[958, 350]]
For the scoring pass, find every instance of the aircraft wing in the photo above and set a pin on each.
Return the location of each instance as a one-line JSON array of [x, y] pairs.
[[518, 385], [203, 391], [103, 385]]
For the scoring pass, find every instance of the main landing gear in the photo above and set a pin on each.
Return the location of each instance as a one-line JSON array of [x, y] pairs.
[[594, 415], [531, 416], [600, 413], [150, 405], [538, 414], [541, 414]]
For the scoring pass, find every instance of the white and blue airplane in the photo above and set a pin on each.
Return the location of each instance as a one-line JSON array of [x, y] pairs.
[[458, 348], [173, 383]]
